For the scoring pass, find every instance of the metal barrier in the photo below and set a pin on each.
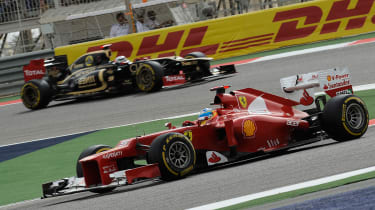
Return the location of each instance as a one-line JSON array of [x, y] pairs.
[[11, 74]]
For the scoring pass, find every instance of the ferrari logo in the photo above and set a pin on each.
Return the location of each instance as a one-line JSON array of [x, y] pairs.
[[243, 101], [189, 134], [249, 128]]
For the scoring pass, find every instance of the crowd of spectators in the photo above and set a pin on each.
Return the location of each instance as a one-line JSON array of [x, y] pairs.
[[142, 24]]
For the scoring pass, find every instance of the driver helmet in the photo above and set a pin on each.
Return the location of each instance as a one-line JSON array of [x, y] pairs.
[[121, 60], [207, 112]]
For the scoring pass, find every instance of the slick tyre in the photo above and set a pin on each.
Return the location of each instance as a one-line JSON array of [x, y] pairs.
[[91, 151], [36, 94], [204, 66], [345, 117], [149, 76], [175, 155]]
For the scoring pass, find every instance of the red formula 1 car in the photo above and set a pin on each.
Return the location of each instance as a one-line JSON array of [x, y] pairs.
[[247, 122]]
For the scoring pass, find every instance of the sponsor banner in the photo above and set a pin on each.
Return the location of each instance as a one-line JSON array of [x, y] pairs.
[[35, 70], [243, 34]]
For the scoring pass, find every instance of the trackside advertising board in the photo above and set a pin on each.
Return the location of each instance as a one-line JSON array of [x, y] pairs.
[[243, 34]]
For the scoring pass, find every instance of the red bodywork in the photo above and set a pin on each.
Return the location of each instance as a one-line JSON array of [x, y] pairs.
[[248, 120]]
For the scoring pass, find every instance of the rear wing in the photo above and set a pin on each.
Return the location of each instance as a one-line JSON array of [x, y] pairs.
[[302, 88]]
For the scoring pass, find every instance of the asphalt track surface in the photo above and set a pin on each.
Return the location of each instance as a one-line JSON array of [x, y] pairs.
[[315, 161]]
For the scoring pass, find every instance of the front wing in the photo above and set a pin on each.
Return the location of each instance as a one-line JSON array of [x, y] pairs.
[[73, 185]]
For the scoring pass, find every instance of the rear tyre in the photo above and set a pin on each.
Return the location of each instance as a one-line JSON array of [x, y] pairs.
[[203, 66], [175, 155], [149, 76], [36, 94], [345, 117], [91, 151]]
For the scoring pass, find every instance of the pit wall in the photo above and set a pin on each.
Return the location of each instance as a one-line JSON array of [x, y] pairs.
[[243, 34]]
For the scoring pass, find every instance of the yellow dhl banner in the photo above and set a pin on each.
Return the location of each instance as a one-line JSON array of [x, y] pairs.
[[243, 34]]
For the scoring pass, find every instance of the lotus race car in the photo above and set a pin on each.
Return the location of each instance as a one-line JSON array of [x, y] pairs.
[[246, 122], [93, 74]]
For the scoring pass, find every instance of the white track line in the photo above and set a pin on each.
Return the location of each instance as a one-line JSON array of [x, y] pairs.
[[301, 52], [117, 126], [316, 182]]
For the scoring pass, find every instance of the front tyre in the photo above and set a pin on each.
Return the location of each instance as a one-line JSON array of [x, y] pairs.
[[175, 155], [91, 151], [149, 76], [36, 94], [345, 117]]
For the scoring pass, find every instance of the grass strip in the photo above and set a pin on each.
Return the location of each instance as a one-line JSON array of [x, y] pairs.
[[21, 178]]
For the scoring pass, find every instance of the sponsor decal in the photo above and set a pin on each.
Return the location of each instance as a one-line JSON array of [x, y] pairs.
[[336, 81], [89, 60], [109, 169], [293, 123], [215, 158], [189, 134], [306, 99], [273, 143], [112, 155], [86, 81], [35, 70], [248, 128], [174, 80], [243, 101]]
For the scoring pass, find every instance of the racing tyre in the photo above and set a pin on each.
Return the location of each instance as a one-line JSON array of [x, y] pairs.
[[149, 77], [204, 66], [91, 151], [36, 94], [175, 155], [345, 117]]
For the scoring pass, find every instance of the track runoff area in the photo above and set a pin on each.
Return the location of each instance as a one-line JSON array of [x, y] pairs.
[[73, 144]]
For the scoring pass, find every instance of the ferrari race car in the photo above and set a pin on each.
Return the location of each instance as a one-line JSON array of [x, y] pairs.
[[93, 74], [247, 122]]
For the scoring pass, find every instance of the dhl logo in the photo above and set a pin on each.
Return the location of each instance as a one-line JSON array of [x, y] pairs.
[[238, 35], [356, 11]]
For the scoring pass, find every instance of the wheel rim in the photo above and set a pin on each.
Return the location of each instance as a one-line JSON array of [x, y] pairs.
[[355, 116], [179, 155], [145, 78], [30, 95]]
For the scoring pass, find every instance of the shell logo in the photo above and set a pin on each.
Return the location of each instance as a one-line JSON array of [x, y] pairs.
[[329, 78], [249, 128]]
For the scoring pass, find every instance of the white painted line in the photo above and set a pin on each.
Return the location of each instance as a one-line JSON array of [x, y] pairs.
[[117, 126], [312, 183], [300, 52], [19, 203]]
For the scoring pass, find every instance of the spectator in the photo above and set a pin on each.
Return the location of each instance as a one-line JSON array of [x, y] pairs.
[[140, 23], [152, 23], [269, 2], [121, 28]]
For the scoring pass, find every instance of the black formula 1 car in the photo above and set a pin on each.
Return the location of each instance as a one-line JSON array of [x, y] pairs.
[[93, 73]]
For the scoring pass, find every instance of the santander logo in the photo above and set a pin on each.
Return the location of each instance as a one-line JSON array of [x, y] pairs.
[[214, 158]]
